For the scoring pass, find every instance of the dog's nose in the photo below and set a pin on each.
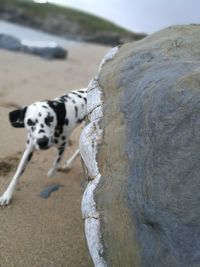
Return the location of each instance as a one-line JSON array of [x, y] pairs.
[[43, 142]]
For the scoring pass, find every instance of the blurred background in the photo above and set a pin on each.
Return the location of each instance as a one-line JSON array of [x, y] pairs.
[[48, 48], [107, 22]]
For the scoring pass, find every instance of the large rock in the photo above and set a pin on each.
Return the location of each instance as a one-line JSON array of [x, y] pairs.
[[142, 206]]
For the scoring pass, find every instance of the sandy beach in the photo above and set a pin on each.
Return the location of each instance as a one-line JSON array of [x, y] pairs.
[[37, 232]]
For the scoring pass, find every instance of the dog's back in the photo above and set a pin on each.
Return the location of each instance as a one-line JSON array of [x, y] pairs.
[[75, 106]]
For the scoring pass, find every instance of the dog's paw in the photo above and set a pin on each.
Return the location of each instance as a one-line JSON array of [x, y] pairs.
[[65, 168], [5, 199]]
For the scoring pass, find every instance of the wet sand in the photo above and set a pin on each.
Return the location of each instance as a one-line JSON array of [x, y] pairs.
[[38, 232]]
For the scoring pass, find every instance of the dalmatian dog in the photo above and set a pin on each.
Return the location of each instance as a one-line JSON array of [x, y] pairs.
[[48, 123]]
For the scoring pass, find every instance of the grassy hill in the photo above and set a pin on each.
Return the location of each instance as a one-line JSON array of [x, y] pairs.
[[65, 22]]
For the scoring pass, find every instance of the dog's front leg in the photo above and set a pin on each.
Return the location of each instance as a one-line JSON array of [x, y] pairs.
[[7, 195], [57, 160]]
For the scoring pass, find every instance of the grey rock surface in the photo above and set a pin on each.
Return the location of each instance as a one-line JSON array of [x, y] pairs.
[[149, 159]]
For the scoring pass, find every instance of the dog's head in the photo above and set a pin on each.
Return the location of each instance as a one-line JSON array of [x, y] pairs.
[[42, 121]]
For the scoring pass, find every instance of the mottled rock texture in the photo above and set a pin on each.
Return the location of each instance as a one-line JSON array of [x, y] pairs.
[[148, 197]]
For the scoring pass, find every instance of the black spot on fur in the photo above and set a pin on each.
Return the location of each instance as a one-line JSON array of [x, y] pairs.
[[85, 99], [56, 134], [59, 129], [80, 120], [81, 91], [61, 147], [76, 111], [67, 96], [39, 114], [75, 93], [60, 111], [58, 160], [41, 131], [56, 141], [61, 152], [30, 122], [22, 171], [30, 156], [63, 98], [44, 106], [48, 120], [66, 121], [63, 144], [63, 138], [42, 125]]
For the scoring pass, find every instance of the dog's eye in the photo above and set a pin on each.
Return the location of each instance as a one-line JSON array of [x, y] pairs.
[[48, 120], [30, 122]]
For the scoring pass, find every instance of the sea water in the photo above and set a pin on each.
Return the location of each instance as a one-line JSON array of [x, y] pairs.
[[27, 34]]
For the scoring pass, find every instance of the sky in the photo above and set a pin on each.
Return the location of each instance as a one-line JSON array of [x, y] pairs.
[[140, 15]]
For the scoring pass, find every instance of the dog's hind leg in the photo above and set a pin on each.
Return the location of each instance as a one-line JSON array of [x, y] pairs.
[[7, 195], [68, 164]]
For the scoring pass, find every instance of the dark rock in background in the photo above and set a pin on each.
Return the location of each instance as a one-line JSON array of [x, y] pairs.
[[149, 160], [9, 42], [49, 52], [107, 38], [110, 38]]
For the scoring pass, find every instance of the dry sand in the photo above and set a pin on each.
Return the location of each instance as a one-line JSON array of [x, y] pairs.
[[37, 232]]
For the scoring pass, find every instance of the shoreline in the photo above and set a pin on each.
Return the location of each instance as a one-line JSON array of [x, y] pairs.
[[27, 33]]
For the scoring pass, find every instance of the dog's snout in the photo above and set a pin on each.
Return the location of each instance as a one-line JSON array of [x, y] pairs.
[[43, 142]]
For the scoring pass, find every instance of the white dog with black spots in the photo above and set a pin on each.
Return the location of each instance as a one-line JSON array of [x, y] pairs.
[[48, 123]]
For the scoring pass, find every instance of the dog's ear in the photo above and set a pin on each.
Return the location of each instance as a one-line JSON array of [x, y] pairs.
[[16, 117]]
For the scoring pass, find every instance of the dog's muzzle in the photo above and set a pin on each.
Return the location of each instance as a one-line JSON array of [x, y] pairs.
[[43, 142]]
